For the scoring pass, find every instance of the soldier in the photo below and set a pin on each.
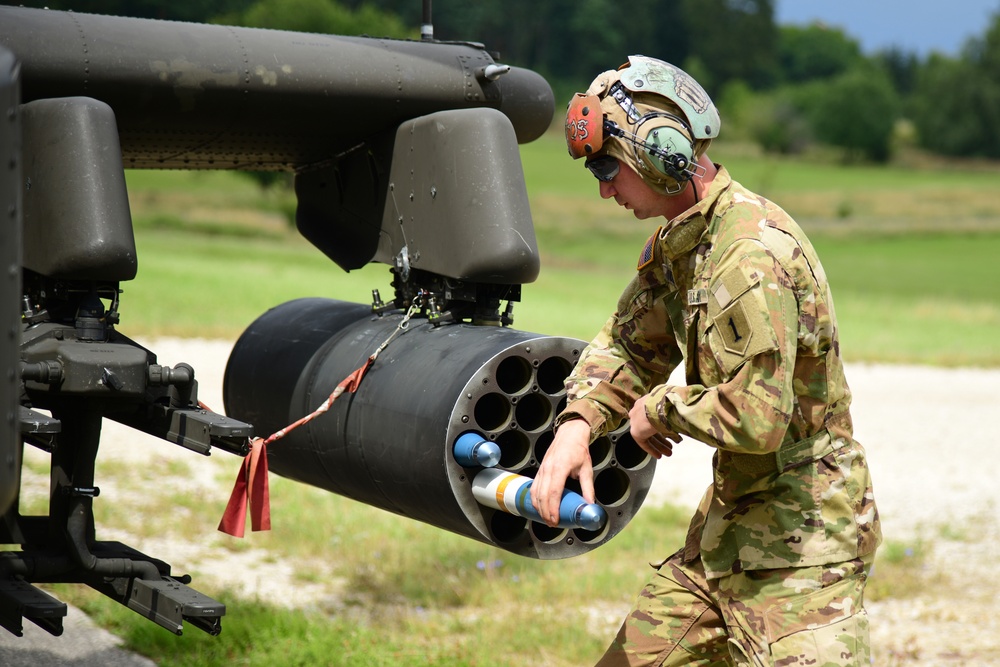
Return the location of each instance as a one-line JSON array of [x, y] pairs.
[[777, 555]]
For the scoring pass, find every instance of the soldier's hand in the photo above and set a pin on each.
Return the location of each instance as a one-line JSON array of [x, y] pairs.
[[567, 456], [656, 443]]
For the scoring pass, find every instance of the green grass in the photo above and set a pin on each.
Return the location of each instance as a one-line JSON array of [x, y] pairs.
[[909, 252], [410, 593], [549, 169], [924, 299], [212, 286], [255, 633], [929, 298]]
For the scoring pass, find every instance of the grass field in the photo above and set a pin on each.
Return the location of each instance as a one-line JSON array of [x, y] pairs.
[[910, 253]]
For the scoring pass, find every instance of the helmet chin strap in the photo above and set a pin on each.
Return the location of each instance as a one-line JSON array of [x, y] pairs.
[[694, 185]]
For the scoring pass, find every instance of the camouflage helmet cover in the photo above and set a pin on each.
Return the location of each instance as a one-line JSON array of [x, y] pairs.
[[641, 97]]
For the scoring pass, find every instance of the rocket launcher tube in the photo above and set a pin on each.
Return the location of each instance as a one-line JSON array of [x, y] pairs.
[[511, 493], [473, 450]]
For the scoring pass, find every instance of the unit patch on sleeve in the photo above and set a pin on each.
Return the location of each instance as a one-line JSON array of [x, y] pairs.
[[735, 328], [740, 325]]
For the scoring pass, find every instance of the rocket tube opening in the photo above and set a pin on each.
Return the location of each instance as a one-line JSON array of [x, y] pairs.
[[492, 411], [533, 412], [592, 536], [542, 445], [552, 375], [513, 375], [515, 449], [561, 405], [600, 451], [627, 452], [545, 533], [507, 527], [611, 487]]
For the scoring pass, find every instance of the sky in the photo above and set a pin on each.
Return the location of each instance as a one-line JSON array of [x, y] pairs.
[[918, 26]]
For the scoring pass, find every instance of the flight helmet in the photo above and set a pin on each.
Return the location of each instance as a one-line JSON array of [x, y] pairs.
[[649, 114]]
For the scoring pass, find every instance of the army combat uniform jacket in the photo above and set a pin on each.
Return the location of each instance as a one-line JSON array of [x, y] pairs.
[[733, 288]]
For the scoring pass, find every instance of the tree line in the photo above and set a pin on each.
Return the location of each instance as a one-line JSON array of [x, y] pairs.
[[787, 88]]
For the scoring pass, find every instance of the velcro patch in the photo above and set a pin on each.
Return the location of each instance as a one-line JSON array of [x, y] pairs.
[[735, 282], [684, 236]]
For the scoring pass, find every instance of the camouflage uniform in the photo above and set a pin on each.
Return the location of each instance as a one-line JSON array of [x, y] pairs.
[[733, 287]]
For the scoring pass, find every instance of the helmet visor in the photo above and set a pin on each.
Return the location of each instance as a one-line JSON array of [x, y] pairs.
[[584, 125]]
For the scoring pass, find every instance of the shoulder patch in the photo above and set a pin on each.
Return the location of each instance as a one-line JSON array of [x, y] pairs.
[[741, 325], [736, 329], [646, 258]]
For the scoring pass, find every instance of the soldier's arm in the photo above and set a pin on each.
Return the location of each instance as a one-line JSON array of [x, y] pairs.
[[753, 316], [634, 352]]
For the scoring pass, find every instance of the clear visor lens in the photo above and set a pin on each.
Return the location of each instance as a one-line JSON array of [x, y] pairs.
[[604, 168]]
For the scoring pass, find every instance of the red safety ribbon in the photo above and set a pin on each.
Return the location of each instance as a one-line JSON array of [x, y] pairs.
[[251, 489], [251, 481]]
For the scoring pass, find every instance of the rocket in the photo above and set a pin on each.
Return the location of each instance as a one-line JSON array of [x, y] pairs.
[[511, 493], [472, 450]]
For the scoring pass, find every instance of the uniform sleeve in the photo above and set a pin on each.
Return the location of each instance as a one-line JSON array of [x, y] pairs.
[[748, 342], [635, 351]]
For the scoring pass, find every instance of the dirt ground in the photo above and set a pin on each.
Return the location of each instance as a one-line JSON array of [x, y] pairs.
[[930, 436]]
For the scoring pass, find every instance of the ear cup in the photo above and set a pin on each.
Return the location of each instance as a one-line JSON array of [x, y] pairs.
[[667, 150]]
